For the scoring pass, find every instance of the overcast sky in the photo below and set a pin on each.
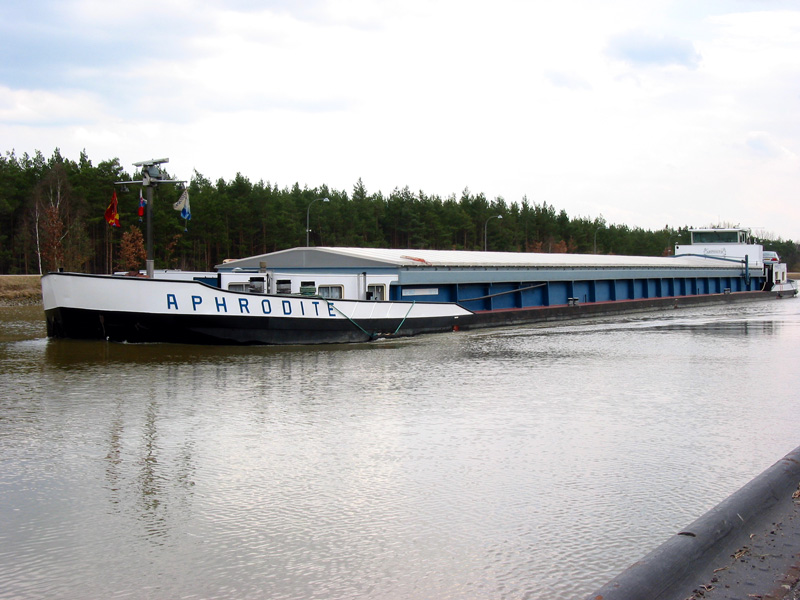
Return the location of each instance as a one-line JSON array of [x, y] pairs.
[[645, 112]]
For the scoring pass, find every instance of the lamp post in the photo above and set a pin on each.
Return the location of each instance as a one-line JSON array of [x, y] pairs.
[[670, 248], [308, 214], [486, 230]]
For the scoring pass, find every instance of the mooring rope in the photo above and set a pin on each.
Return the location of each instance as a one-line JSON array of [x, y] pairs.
[[354, 322], [514, 291], [332, 305], [404, 318]]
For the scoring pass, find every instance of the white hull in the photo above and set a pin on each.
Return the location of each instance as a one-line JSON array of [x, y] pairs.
[[145, 310], [788, 288]]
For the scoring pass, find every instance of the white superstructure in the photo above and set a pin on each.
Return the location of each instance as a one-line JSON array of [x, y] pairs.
[[725, 244]]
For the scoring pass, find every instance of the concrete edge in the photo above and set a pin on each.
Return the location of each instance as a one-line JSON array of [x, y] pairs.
[[674, 567]]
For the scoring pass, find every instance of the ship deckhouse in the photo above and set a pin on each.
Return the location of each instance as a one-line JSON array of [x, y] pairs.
[[490, 280]]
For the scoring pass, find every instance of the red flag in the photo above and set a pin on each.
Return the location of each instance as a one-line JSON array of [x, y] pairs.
[[112, 213], [142, 204]]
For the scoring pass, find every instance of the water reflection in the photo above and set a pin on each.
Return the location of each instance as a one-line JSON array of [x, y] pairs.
[[529, 462], [729, 328], [114, 456]]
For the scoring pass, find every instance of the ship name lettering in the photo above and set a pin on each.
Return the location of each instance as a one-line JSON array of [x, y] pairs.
[[244, 306]]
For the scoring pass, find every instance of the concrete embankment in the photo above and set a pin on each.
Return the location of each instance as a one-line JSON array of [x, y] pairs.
[[748, 546], [20, 289]]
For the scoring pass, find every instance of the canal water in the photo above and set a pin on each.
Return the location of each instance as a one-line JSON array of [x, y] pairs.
[[533, 462]]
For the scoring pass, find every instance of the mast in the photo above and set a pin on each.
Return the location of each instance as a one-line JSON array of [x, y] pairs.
[[151, 177]]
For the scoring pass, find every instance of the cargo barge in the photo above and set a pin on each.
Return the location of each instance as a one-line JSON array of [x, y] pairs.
[[313, 295]]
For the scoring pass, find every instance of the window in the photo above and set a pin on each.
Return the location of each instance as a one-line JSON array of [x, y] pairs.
[[420, 292], [376, 292], [716, 237], [308, 288], [332, 292]]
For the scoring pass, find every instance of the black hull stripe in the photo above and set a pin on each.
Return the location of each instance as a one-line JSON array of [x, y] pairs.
[[228, 329]]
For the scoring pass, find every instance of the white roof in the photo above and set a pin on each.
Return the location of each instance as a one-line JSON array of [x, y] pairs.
[[464, 258]]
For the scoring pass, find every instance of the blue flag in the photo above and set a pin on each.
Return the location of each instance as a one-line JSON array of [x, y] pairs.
[[183, 205]]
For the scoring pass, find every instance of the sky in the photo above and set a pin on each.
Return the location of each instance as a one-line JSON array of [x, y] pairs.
[[647, 113]]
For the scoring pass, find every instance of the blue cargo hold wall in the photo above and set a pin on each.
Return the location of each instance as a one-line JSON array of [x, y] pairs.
[[499, 294]]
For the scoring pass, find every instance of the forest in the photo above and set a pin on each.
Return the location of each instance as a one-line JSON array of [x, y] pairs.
[[52, 215]]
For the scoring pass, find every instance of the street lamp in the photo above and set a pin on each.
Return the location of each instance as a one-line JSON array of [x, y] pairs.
[[485, 230], [308, 213]]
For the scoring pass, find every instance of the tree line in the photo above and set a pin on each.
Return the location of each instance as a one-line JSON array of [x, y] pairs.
[[52, 215]]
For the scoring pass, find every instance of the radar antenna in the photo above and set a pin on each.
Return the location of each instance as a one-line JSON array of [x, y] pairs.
[[152, 176]]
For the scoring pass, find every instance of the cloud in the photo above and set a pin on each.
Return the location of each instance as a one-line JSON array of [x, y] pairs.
[[762, 145], [569, 81], [48, 109], [77, 43], [549, 101], [641, 49]]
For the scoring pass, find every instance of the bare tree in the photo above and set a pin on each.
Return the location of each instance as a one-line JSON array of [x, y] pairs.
[[51, 200]]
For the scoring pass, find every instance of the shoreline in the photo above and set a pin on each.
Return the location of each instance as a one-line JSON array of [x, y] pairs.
[[19, 290]]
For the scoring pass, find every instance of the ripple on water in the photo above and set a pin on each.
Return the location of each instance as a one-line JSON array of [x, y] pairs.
[[518, 463]]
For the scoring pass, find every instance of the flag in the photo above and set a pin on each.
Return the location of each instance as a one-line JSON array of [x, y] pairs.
[[112, 212], [183, 205], [142, 204]]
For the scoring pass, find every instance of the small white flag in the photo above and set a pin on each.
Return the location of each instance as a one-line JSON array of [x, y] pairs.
[[183, 205]]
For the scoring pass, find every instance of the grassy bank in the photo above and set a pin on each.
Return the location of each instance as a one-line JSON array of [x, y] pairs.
[[20, 289]]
